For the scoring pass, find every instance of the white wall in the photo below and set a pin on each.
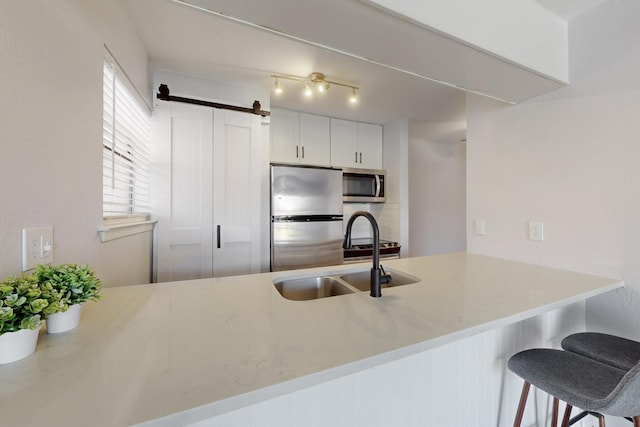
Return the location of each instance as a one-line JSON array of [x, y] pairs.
[[395, 212], [426, 200], [51, 131], [570, 159], [437, 188]]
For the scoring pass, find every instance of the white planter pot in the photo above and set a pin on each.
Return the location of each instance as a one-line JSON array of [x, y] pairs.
[[65, 321], [17, 345]]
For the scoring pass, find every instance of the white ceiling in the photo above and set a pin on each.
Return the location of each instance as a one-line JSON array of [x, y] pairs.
[[182, 39], [569, 9]]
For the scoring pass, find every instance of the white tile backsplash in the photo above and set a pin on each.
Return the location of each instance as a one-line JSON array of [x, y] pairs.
[[386, 214]]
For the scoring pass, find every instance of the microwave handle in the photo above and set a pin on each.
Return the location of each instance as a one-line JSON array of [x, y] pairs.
[[378, 185]]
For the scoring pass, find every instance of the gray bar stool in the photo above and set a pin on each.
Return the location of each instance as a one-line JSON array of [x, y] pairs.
[[595, 387], [618, 352]]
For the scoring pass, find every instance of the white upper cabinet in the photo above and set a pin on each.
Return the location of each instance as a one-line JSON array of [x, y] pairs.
[[344, 143], [285, 136], [300, 138], [315, 140], [356, 145], [370, 146], [308, 139]]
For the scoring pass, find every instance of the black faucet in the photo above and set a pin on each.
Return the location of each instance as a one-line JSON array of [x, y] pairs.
[[378, 275]]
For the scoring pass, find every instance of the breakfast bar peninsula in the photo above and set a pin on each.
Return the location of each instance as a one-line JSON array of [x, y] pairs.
[[234, 352]]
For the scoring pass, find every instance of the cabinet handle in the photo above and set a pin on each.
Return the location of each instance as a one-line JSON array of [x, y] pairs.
[[360, 157], [356, 157], [218, 236], [297, 152], [303, 151]]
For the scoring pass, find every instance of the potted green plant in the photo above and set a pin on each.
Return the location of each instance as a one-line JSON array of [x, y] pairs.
[[66, 287], [21, 306]]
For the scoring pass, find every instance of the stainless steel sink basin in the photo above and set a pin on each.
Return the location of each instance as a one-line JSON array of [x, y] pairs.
[[315, 287], [362, 279], [311, 288]]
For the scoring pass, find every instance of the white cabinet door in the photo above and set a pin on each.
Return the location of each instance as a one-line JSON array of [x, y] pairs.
[[356, 145], [236, 193], [182, 187], [315, 140], [207, 173], [285, 136], [300, 138], [369, 146], [344, 143]]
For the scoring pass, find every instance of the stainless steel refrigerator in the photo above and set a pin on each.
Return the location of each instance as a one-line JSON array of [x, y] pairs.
[[306, 217]]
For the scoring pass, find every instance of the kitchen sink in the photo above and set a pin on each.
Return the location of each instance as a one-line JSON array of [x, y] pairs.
[[310, 288], [315, 287], [361, 280]]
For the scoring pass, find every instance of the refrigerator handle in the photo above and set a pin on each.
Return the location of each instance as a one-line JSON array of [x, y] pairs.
[[218, 236]]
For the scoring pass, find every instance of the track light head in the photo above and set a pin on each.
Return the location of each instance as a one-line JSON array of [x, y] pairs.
[[353, 98], [307, 90], [277, 88], [322, 86]]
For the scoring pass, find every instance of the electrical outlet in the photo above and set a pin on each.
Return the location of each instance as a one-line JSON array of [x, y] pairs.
[[478, 227], [37, 247], [536, 230]]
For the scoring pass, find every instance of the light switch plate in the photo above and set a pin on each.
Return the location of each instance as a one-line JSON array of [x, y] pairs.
[[37, 247], [536, 230], [478, 227]]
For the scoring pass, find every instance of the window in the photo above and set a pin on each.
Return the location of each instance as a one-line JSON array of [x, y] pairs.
[[126, 146]]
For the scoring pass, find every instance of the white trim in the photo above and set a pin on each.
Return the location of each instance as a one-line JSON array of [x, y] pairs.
[[118, 227], [124, 219], [108, 56]]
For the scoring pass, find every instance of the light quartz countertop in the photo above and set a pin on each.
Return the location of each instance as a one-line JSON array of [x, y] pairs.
[[180, 352]]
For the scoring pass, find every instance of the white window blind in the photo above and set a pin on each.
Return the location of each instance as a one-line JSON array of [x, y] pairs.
[[126, 145]]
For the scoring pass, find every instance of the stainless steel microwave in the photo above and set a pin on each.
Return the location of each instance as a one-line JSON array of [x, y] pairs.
[[363, 185]]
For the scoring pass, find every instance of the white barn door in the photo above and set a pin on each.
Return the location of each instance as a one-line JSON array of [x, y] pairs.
[[207, 192], [183, 187], [236, 188]]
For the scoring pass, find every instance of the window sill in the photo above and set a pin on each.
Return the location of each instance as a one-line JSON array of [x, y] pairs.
[[116, 228]]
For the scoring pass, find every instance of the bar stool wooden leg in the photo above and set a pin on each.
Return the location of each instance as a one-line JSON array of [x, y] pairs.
[[601, 421], [636, 421], [554, 417], [567, 415], [523, 401]]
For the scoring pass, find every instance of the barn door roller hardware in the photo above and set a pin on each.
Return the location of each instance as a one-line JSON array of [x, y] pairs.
[[163, 95]]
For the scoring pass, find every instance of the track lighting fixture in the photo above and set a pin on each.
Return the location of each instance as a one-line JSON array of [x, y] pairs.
[[317, 81]]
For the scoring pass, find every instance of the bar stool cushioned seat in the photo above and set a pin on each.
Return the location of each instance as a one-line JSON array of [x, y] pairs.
[[579, 381], [616, 351]]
